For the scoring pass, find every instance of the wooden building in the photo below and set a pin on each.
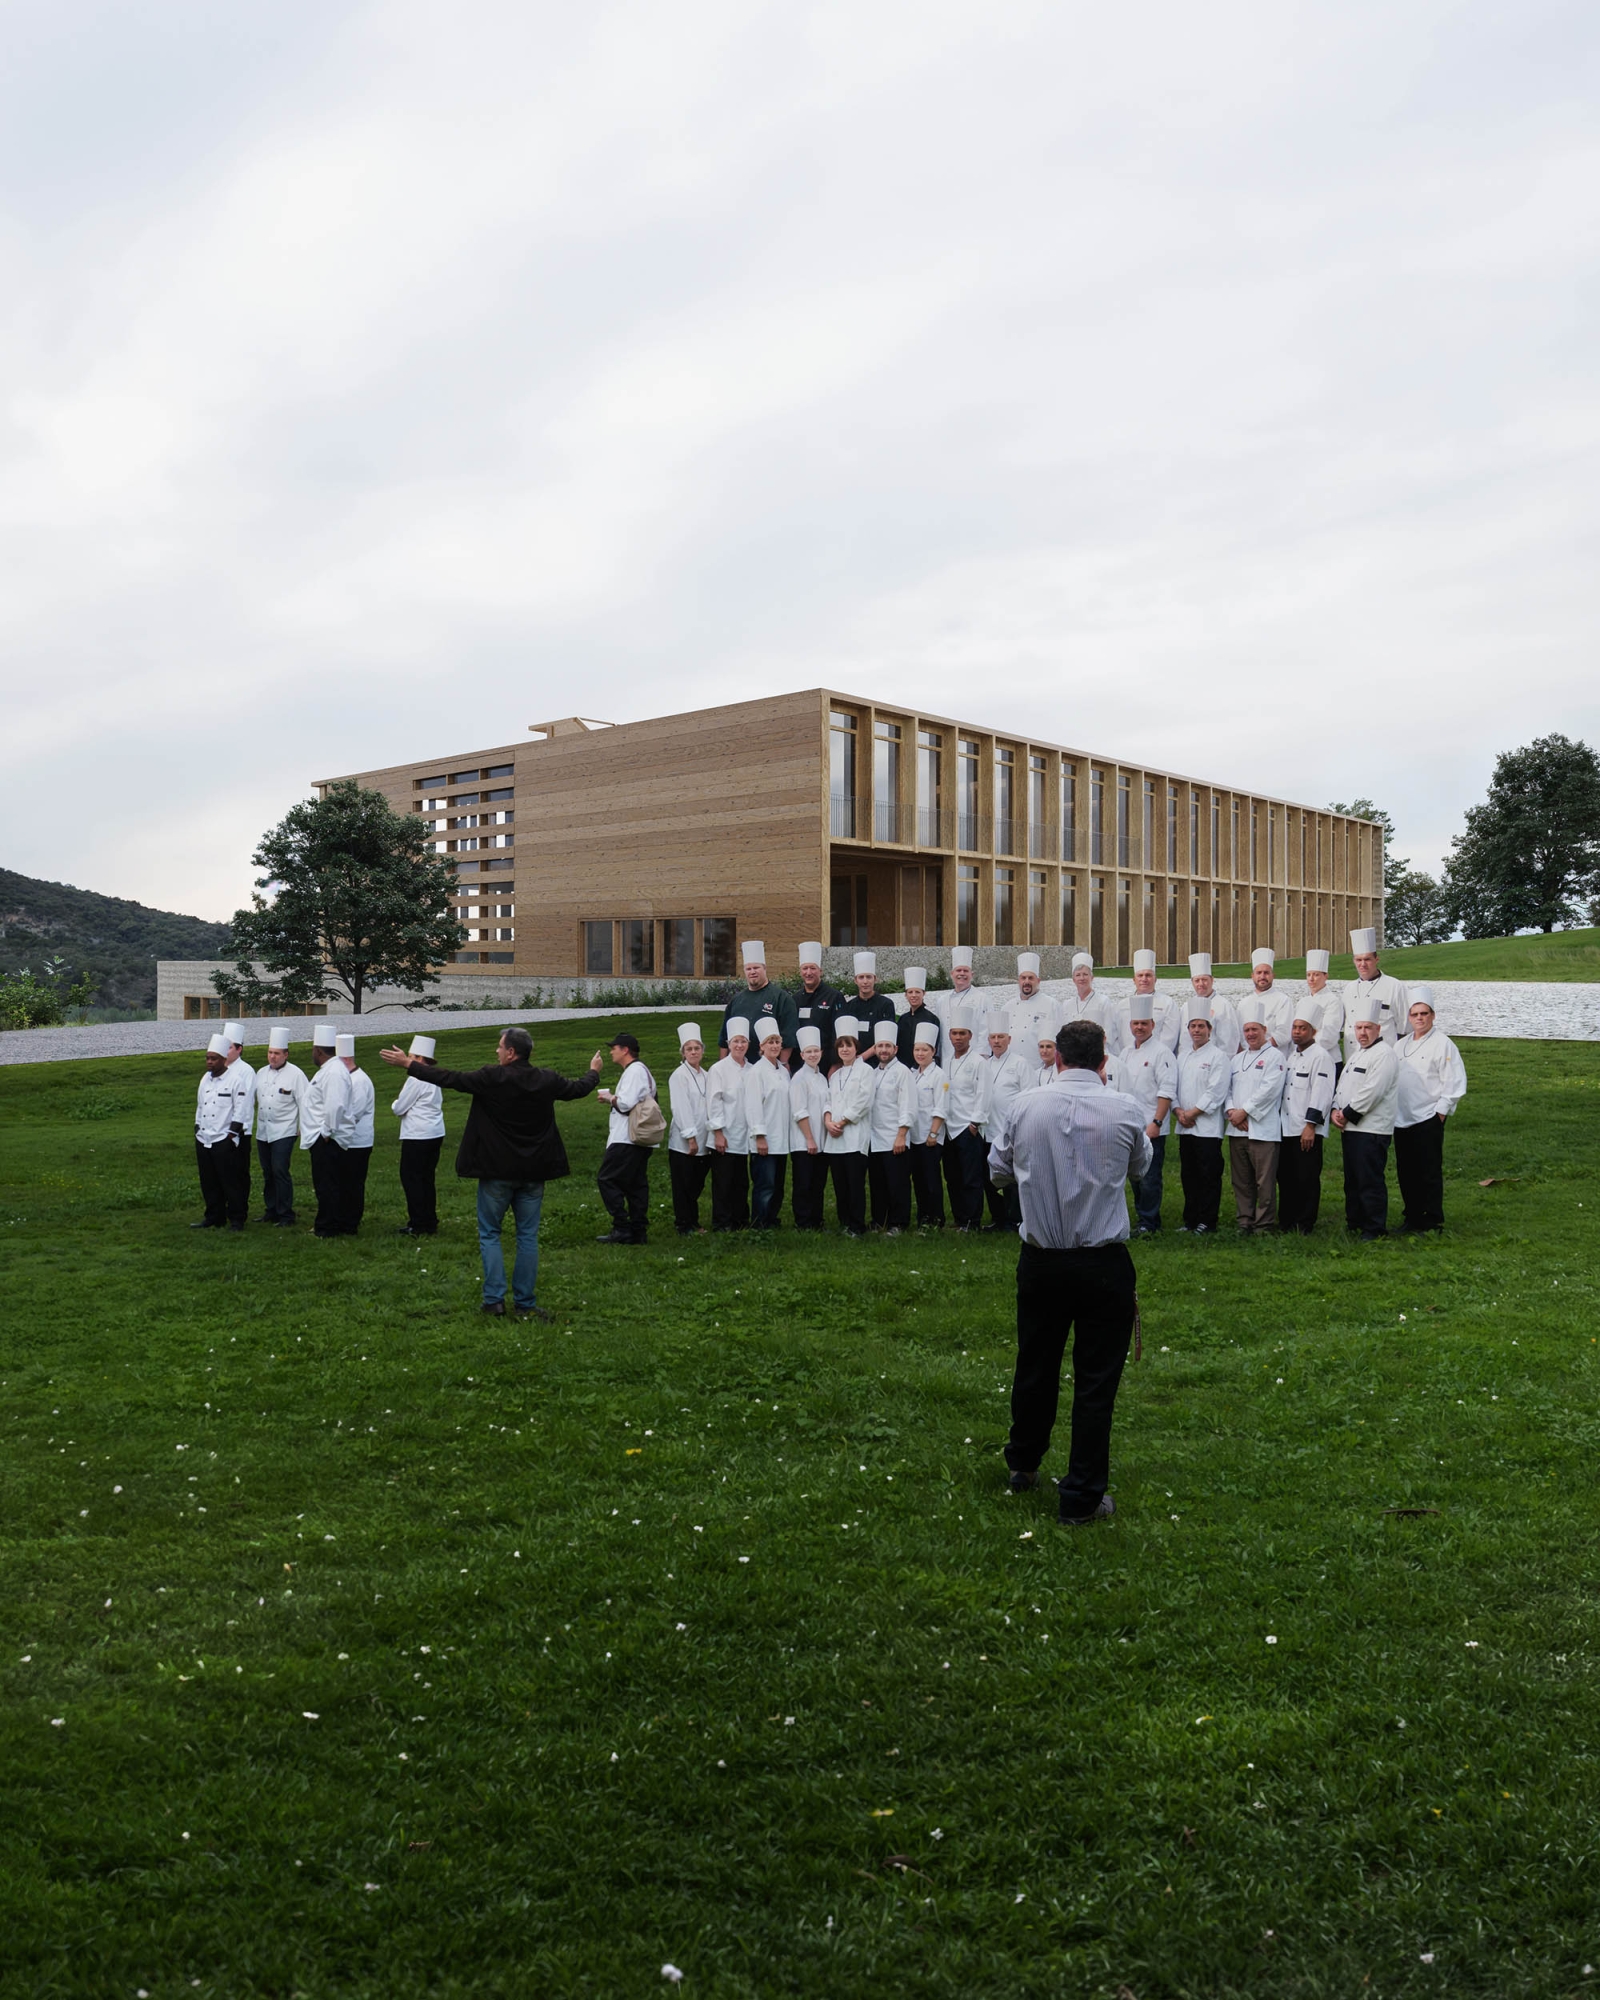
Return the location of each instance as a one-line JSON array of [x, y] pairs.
[[650, 849]]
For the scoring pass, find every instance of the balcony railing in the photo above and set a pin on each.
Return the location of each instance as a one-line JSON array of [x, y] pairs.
[[1010, 836], [891, 821], [936, 827], [847, 817], [1069, 843], [972, 832], [1041, 840]]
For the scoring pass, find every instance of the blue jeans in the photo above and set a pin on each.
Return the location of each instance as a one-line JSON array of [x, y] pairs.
[[524, 1198], [1147, 1189]]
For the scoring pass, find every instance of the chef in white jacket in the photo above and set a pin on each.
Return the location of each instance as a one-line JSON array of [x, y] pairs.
[[959, 994], [1147, 1071], [849, 1123], [1277, 1007], [1006, 1076], [1166, 1016], [769, 1116], [420, 1109], [1329, 1003], [279, 1087], [217, 1137], [688, 1133], [1223, 1015], [1364, 1104], [363, 1109], [1432, 1082], [1204, 1076], [324, 1110], [241, 1079], [1035, 1015], [966, 1158], [1307, 1106], [808, 1128], [888, 1161], [1087, 1001], [1255, 1118], [728, 1122], [1372, 983]]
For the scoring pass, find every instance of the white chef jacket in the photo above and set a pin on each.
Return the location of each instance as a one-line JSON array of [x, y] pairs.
[[1226, 1033], [633, 1086], [241, 1078], [1255, 1086], [1277, 1008], [1035, 1020], [1100, 1007], [891, 1106], [1204, 1076], [850, 1096], [1146, 1074], [1392, 997], [768, 1111], [964, 1076], [808, 1099], [419, 1107], [1307, 1090], [326, 1100], [944, 1005], [1433, 1078], [1044, 1076], [687, 1091], [1004, 1081], [364, 1111], [215, 1109], [1330, 1003], [278, 1095], [1369, 1086], [725, 1104], [930, 1095], [1168, 1024]]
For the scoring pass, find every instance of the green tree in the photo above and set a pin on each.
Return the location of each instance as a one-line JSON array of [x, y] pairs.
[[1417, 911], [349, 898], [1529, 858]]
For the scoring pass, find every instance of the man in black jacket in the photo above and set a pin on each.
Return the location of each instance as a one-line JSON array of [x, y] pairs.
[[511, 1147]]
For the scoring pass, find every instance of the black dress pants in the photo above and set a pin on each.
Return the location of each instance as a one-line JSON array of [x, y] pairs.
[[213, 1181], [233, 1158], [419, 1164], [357, 1159], [687, 1173], [966, 1160], [1419, 1168], [730, 1191], [1366, 1188], [1005, 1204], [1200, 1172], [889, 1182], [328, 1185], [624, 1183], [1089, 1294], [849, 1171], [1299, 1185], [277, 1184], [928, 1180], [809, 1182]]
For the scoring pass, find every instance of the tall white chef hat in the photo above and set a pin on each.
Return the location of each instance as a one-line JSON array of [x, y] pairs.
[[811, 952], [1199, 965], [1263, 955], [887, 1030], [1082, 958], [1362, 943], [960, 956], [917, 976], [865, 961], [217, 1046], [1142, 1007], [324, 1035], [1308, 1008], [752, 952], [423, 1045], [1252, 1010], [1144, 961], [277, 1038], [344, 1045], [768, 1030], [964, 1017], [1198, 1008], [847, 1028], [927, 1031], [809, 1038], [1422, 993], [736, 1024], [1316, 961], [688, 1031], [997, 1021], [234, 1030], [1027, 961], [1367, 1010]]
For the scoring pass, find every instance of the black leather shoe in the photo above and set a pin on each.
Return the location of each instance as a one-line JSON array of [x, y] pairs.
[[496, 1310], [205, 1225], [1024, 1482], [237, 1228], [535, 1312], [1103, 1512], [615, 1236]]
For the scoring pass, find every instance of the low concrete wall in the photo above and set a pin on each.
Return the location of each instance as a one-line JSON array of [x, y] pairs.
[[176, 978]]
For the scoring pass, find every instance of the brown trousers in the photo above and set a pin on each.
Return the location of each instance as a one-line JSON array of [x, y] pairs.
[[1253, 1163]]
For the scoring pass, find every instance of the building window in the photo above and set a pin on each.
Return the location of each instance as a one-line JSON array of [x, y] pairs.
[[886, 781], [1194, 833], [931, 828], [638, 945], [967, 795], [1194, 918], [1097, 917], [500, 771], [597, 948], [202, 1007], [505, 909], [1069, 909], [966, 904], [1041, 834], [842, 775], [427, 785], [1097, 822], [1272, 843], [499, 958], [1038, 882], [1216, 836], [1172, 828], [463, 777], [1005, 921], [509, 862], [848, 910], [1005, 802], [719, 946], [677, 947], [1069, 812], [1148, 937], [502, 792], [1124, 808], [467, 957], [1172, 923], [1255, 845], [1124, 912], [1235, 859], [1147, 850]]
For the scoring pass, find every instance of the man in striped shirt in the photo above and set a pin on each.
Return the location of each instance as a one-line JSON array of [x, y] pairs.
[[1070, 1150]]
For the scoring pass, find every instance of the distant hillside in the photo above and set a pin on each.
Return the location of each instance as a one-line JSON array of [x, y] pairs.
[[1565, 957], [116, 942]]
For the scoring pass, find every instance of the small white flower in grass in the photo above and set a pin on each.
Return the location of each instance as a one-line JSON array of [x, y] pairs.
[[671, 1972], [682, 1627], [1272, 1638], [58, 1722], [1425, 1956], [116, 1489], [937, 1833], [1019, 1895], [310, 1715], [722, 1764], [1026, 1535], [1471, 1642], [369, 1887], [744, 1559], [83, 1513]]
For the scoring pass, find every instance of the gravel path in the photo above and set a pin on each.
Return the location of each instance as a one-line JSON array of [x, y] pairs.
[[144, 1038]]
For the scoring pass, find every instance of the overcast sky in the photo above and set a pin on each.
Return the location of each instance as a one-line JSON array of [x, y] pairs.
[[1217, 386]]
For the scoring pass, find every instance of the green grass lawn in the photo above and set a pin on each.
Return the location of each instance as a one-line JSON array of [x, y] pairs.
[[1568, 957], [356, 1645]]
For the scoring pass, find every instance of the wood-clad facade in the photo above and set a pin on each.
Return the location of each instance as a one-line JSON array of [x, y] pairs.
[[649, 849]]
